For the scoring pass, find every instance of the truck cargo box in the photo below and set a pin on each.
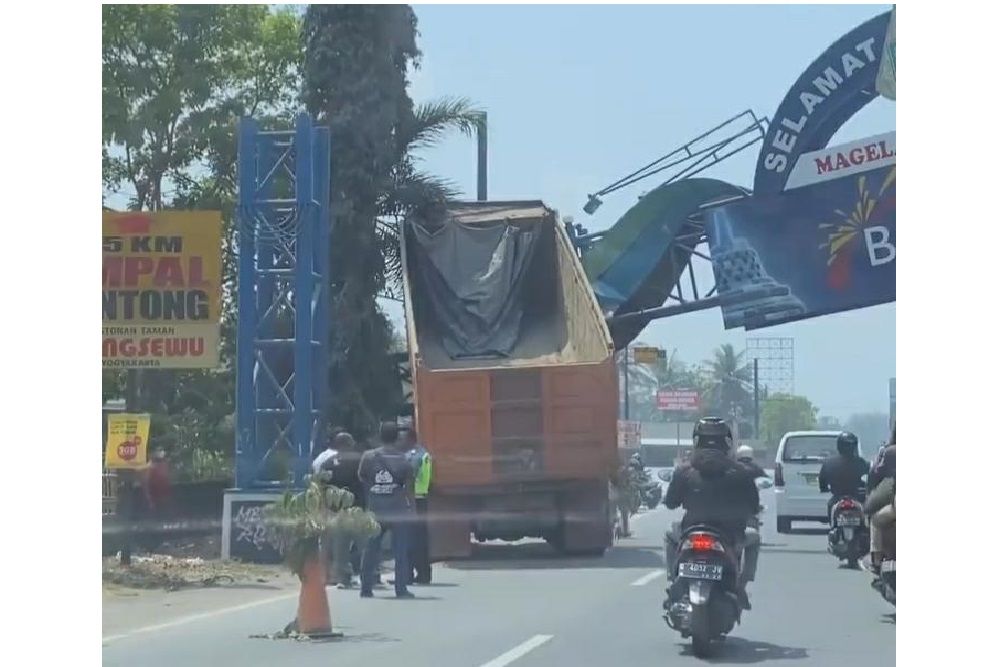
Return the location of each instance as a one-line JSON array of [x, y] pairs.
[[511, 359]]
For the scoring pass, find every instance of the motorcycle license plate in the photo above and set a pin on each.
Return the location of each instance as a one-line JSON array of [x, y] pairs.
[[848, 521], [700, 571]]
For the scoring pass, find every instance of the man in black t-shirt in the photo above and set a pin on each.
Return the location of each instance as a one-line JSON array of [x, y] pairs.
[[387, 476], [341, 460]]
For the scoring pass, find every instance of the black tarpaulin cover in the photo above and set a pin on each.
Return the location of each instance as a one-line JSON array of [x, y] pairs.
[[471, 272]]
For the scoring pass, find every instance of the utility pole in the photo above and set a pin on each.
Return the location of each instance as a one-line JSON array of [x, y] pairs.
[[482, 155], [127, 505], [756, 401], [626, 384]]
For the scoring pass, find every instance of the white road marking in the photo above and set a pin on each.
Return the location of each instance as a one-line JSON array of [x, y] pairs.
[[646, 578], [518, 651], [197, 617]]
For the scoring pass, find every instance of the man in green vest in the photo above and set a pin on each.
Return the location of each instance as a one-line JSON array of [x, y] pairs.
[[420, 458]]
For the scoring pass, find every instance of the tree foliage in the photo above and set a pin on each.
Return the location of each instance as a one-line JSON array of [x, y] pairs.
[[782, 413], [175, 80], [729, 380], [355, 80]]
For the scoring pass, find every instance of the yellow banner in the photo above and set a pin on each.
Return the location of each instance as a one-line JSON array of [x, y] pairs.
[[161, 276], [128, 441], [646, 355]]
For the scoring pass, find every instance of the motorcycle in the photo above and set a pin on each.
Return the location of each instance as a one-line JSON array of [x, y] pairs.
[[647, 491], [702, 601], [651, 493], [849, 537], [885, 584]]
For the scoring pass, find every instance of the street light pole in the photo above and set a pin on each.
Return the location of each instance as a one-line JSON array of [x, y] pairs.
[[625, 409], [481, 163]]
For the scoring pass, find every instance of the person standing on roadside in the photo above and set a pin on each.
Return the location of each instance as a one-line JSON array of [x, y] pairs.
[[341, 460], [387, 477], [420, 459]]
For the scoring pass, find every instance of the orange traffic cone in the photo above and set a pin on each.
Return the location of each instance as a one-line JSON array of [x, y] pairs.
[[314, 610]]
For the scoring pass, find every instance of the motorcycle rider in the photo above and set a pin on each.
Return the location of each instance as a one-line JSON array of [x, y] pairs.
[[843, 474], [751, 551], [744, 456], [716, 490], [881, 504]]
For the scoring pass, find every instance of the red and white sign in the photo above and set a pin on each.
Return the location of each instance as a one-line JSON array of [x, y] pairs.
[[629, 433], [847, 159], [681, 400]]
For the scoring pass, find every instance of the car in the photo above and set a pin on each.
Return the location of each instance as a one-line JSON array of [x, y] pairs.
[[797, 463]]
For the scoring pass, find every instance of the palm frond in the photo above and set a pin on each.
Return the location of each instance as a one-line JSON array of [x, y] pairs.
[[388, 240], [418, 194], [432, 120]]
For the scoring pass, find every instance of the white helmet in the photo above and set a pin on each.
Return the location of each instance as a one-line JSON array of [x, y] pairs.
[[744, 452]]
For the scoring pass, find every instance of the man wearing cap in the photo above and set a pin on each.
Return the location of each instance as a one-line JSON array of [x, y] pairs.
[[420, 459]]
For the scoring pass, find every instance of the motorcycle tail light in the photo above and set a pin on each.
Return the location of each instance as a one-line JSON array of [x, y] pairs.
[[779, 475], [847, 504], [702, 542]]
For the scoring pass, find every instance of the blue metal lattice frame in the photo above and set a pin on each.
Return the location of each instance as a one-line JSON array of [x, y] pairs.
[[283, 279]]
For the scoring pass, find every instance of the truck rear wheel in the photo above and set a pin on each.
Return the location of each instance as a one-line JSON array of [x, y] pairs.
[[586, 526]]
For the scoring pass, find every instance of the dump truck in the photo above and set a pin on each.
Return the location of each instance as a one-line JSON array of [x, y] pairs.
[[515, 388]]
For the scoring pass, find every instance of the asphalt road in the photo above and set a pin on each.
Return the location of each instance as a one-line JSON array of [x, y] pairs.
[[523, 605]]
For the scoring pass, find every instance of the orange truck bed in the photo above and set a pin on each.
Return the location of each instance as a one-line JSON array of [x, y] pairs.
[[523, 446]]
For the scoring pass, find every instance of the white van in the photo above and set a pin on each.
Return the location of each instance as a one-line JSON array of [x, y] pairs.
[[796, 477]]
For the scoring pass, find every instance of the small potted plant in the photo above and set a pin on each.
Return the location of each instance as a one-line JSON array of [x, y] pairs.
[[299, 521]]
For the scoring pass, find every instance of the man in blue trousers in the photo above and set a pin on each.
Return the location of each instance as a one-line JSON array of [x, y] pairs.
[[387, 476]]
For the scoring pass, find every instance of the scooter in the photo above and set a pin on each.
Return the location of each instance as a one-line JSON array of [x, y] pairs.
[[849, 537], [702, 602], [885, 584], [651, 494]]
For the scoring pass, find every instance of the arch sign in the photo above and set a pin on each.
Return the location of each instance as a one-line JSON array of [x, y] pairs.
[[818, 236], [833, 88]]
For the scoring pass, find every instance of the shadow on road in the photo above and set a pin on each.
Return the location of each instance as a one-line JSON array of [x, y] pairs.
[[739, 651], [376, 637], [782, 550], [540, 556]]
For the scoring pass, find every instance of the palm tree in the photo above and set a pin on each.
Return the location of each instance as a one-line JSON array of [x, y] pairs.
[[730, 382], [415, 193]]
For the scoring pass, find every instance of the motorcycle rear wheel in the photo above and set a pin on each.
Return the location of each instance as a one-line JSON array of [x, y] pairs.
[[701, 641]]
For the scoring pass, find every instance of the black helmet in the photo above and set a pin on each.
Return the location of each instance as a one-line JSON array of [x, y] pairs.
[[712, 433], [847, 443]]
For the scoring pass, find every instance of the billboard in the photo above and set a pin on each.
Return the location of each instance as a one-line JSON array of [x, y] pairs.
[[811, 251], [646, 355], [678, 400], [161, 276], [128, 441]]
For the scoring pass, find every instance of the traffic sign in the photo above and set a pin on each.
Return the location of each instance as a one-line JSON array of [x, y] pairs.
[[646, 355], [679, 400]]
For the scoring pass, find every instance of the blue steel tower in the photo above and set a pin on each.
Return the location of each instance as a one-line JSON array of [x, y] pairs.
[[283, 320]]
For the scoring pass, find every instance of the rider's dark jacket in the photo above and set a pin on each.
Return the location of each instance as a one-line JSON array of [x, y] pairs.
[[713, 489], [842, 476]]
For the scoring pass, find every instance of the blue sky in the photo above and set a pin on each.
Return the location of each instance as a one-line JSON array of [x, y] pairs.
[[579, 95]]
